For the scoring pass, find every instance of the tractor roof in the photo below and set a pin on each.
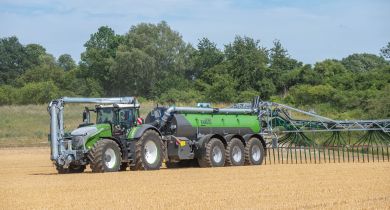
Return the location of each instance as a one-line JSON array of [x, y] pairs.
[[118, 105]]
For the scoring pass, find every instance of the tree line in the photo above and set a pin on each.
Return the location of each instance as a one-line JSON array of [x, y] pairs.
[[153, 62]]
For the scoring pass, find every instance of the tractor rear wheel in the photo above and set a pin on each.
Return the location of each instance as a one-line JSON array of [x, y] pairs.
[[148, 152], [214, 155], [254, 152], [105, 156], [235, 153]]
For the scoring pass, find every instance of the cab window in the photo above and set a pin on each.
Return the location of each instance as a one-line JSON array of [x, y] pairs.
[[126, 117], [104, 115]]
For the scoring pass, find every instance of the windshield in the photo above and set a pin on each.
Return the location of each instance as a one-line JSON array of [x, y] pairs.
[[105, 115], [123, 117], [126, 117]]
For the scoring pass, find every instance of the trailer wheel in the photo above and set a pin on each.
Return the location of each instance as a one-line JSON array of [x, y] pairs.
[[72, 169], [214, 155], [105, 156], [254, 152], [148, 154], [235, 153]]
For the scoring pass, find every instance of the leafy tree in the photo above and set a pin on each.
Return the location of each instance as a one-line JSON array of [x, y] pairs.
[[379, 106], [247, 95], [385, 51], [301, 75], [208, 74], [280, 63], [363, 62], [222, 89], [35, 54], [248, 62], [37, 93], [132, 73], [42, 73], [307, 94], [173, 96], [13, 60], [159, 56], [206, 56], [66, 62], [266, 88], [99, 56], [330, 70]]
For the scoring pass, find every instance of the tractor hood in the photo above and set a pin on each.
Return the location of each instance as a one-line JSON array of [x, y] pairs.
[[84, 131], [91, 134]]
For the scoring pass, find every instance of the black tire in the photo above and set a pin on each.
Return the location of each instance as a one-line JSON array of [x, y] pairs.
[[71, 169], [101, 155], [254, 152], [123, 167], [235, 154], [171, 164], [150, 137], [210, 157]]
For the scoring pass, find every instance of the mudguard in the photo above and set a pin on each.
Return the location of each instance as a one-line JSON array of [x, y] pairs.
[[205, 139], [141, 129], [230, 136]]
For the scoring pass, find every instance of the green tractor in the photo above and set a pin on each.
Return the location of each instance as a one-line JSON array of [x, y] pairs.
[[116, 141], [204, 136]]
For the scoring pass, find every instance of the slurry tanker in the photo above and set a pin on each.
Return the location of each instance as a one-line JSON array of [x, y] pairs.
[[119, 138]]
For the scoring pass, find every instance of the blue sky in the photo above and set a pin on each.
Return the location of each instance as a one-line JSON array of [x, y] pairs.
[[311, 30]]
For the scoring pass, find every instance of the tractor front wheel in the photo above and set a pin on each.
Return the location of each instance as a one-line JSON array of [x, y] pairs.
[[105, 156]]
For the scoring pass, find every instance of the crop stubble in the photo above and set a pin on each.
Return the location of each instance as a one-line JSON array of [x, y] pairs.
[[28, 180]]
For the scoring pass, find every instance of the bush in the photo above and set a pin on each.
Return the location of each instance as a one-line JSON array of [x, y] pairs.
[[7, 95], [307, 94], [37, 93], [173, 96], [222, 89], [247, 96]]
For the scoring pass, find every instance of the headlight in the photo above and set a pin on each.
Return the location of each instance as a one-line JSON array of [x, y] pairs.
[[77, 142]]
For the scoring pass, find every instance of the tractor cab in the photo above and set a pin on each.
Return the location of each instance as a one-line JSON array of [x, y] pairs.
[[121, 117]]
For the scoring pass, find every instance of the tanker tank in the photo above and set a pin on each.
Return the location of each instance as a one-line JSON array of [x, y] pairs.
[[211, 136]]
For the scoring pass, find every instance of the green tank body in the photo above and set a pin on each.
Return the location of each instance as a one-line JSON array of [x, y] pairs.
[[190, 125], [194, 123]]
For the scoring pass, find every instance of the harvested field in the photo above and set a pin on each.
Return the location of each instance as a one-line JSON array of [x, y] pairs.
[[29, 181]]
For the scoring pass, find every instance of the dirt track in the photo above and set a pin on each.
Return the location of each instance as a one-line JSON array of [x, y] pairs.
[[28, 180]]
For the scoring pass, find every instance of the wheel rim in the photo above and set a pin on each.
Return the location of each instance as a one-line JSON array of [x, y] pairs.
[[256, 153], [217, 154], [150, 152], [109, 158], [236, 154]]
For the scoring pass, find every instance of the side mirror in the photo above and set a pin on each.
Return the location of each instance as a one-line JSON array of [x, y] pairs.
[[84, 116]]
